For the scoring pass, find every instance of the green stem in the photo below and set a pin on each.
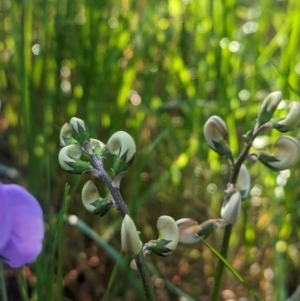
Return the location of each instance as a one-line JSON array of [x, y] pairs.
[[227, 231], [220, 265], [121, 206], [145, 276]]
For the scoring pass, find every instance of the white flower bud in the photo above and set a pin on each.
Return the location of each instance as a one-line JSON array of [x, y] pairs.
[[215, 133], [122, 145], [69, 159], [231, 209], [168, 237], [286, 154], [268, 107], [93, 202], [130, 239], [243, 181], [80, 131], [290, 121], [65, 136]]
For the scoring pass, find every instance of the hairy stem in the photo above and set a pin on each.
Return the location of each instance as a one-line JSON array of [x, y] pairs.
[[121, 206]]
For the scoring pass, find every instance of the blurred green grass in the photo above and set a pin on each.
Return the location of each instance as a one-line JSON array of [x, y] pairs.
[[158, 70]]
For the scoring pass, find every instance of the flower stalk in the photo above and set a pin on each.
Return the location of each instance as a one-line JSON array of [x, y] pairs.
[[121, 206], [215, 292]]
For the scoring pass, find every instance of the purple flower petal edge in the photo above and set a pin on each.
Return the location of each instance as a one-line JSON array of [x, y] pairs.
[[27, 226], [5, 219]]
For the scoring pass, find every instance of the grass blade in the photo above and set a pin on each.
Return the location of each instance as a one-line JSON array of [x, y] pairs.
[[232, 269]]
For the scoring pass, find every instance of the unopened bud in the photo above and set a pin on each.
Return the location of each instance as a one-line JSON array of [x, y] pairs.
[[130, 239], [286, 154], [93, 202], [69, 159], [268, 107], [122, 145], [80, 131], [215, 133], [65, 136], [98, 148], [290, 121], [231, 209], [168, 237], [243, 181]]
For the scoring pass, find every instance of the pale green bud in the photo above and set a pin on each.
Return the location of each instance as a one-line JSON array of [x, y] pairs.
[[290, 121], [268, 107], [122, 145], [130, 239], [231, 209], [243, 181], [286, 154], [69, 159], [93, 202], [80, 131], [65, 136], [168, 237], [99, 148], [216, 134]]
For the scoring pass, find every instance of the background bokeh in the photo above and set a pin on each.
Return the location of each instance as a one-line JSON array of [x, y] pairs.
[[157, 70]]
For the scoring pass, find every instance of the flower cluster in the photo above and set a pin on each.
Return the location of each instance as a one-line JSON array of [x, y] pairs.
[[22, 226], [77, 146], [80, 154], [285, 155]]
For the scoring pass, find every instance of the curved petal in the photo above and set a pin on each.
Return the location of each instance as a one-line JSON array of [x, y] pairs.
[[244, 181], [4, 218], [27, 232]]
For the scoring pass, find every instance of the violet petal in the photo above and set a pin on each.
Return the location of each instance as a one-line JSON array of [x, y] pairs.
[[5, 219], [27, 227]]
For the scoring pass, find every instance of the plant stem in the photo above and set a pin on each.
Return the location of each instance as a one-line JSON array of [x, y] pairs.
[[220, 265], [145, 277], [227, 231], [121, 206]]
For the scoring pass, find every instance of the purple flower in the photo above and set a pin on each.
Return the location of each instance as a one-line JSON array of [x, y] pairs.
[[22, 226]]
